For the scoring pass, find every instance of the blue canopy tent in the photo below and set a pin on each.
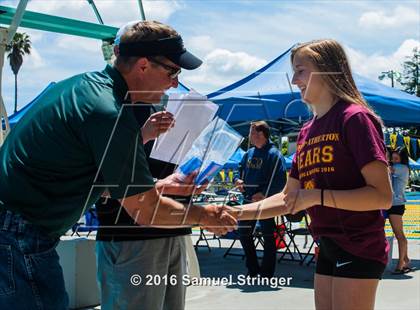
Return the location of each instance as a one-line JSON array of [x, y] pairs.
[[180, 89], [395, 107], [14, 118], [234, 160], [414, 165], [268, 94], [288, 159]]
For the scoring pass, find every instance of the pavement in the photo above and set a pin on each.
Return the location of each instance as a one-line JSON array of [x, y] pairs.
[[395, 291], [294, 286]]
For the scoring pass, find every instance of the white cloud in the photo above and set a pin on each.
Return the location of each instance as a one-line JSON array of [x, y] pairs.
[[224, 61], [220, 68], [113, 12], [55, 58], [401, 16], [33, 60], [161, 10], [200, 44], [372, 65], [213, 30], [406, 48], [79, 44], [70, 8], [55, 6], [30, 82], [34, 35], [119, 12]]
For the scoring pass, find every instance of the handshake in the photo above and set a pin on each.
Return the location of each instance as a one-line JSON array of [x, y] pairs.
[[223, 219], [219, 219], [216, 219]]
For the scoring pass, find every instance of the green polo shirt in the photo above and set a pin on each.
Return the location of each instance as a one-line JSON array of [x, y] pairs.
[[76, 141]]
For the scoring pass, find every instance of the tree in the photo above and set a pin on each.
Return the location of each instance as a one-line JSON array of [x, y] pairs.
[[410, 76], [284, 147], [20, 46], [392, 75]]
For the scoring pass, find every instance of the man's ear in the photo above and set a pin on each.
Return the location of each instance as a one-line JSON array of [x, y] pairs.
[[116, 50], [142, 63]]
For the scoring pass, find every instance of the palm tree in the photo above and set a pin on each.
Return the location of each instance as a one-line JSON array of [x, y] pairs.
[[20, 45]]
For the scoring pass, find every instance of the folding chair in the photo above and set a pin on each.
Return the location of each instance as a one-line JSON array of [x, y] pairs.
[[279, 235], [234, 235], [203, 238], [292, 233], [283, 247], [91, 223]]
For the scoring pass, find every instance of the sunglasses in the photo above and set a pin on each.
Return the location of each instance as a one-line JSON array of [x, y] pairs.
[[172, 71]]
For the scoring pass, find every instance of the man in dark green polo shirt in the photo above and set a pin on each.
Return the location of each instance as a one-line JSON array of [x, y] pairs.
[[80, 140]]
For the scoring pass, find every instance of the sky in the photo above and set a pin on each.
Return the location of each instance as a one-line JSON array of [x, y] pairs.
[[234, 38]]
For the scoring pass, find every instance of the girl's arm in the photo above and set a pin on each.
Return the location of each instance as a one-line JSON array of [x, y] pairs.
[[269, 207], [376, 195]]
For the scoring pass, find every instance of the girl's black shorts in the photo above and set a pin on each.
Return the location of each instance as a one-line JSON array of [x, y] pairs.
[[334, 261], [398, 210]]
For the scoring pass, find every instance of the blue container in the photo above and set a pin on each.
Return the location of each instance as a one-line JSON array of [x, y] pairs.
[[208, 173], [191, 165]]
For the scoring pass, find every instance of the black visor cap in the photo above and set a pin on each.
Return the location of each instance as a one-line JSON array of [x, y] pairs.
[[171, 48], [186, 60]]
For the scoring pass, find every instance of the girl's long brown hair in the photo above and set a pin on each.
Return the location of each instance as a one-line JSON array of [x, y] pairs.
[[329, 57]]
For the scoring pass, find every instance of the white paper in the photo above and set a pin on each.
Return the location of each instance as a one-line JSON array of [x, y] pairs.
[[192, 113]]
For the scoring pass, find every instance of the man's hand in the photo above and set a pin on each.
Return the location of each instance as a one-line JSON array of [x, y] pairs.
[[216, 220], [239, 184], [257, 197], [235, 211], [177, 185], [157, 124]]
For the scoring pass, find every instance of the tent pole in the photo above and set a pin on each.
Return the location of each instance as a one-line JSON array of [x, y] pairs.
[[98, 16], [107, 50], [143, 16], [20, 10], [3, 112], [6, 36]]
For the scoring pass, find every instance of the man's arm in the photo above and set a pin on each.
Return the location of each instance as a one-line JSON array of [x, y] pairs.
[[178, 185], [152, 209]]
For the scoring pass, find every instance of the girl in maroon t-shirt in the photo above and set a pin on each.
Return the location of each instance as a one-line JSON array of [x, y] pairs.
[[339, 174]]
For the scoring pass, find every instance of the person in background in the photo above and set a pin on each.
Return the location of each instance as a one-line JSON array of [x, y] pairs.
[[263, 174], [399, 177]]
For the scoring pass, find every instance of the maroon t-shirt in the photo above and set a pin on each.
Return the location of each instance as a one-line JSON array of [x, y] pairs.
[[331, 152]]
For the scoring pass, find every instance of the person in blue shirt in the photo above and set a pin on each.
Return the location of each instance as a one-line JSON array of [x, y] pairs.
[[263, 174], [399, 177]]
